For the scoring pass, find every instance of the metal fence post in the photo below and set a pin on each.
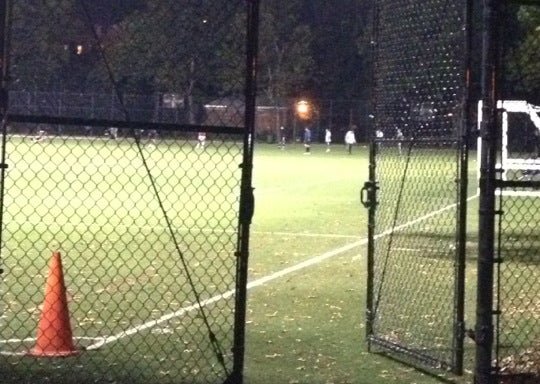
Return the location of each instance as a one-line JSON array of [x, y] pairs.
[[486, 230], [370, 136], [459, 323], [246, 193], [4, 57]]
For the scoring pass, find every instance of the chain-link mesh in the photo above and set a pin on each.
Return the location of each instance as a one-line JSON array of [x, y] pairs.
[[518, 336], [517, 347], [115, 161], [418, 90]]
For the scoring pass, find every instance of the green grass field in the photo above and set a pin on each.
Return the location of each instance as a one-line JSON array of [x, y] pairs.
[[131, 301], [320, 339]]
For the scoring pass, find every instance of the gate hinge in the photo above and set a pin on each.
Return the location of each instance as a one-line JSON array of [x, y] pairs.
[[3, 166], [368, 194]]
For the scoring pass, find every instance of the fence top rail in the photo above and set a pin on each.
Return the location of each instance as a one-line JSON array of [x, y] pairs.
[[45, 119]]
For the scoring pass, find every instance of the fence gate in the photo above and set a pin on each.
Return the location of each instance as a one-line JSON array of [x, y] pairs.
[[417, 186], [123, 246]]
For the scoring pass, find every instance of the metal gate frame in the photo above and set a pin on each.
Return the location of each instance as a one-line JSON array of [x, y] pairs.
[[375, 249], [370, 199]]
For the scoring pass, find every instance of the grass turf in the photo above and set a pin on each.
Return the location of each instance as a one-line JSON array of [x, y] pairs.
[[92, 199]]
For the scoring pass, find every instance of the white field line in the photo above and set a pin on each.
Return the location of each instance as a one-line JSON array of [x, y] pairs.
[[32, 339], [266, 279], [226, 295], [306, 234], [149, 228]]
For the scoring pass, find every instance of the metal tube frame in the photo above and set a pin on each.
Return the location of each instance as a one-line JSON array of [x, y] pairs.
[[484, 332], [461, 233]]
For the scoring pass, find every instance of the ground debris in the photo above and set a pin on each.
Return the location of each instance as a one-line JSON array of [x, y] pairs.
[[525, 365]]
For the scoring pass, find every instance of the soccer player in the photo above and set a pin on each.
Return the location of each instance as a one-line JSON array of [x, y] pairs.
[[327, 139], [379, 135], [399, 138], [113, 133], [138, 133], [201, 140], [350, 140], [152, 136], [41, 134], [282, 137], [307, 141]]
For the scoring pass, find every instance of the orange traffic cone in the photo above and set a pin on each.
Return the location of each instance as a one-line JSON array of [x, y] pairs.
[[54, 337]]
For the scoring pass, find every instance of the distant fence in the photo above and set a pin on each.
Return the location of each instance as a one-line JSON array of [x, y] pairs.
[[336, 115]]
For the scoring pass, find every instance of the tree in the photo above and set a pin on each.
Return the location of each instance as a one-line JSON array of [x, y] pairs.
[[176, 47], [198, 50], [524, 56], [44, 40], [53, 42], [340, 46], [285, 56]]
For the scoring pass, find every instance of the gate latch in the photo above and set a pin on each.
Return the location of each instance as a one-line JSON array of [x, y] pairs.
[[368, 194]]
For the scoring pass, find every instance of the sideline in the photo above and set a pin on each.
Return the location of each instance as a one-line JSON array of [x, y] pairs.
[[156, 228]]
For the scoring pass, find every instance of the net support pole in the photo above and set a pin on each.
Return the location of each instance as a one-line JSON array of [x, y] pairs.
[[484, 332]]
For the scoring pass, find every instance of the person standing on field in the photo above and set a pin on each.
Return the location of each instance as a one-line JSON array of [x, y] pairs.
[[201, 140], [399, 138], [328, 139], [350, 140], [152, 136], [113, 133], [307, 141], [282, 137], [379, 136]]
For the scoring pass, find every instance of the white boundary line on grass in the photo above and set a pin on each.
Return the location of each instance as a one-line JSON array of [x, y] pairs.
[[306, 234], [266, 279], [149, 228], [29, 339]]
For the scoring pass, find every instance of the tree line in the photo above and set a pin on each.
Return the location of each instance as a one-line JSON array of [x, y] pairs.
[[188, 47], [312, 48]]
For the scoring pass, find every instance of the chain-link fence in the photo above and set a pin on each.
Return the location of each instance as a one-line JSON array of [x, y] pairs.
[[273, 122], [417, 189], [426, 94], [516, 347], [123, 243]]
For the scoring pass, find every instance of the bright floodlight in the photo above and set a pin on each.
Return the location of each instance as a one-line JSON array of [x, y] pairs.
[[303, 109]]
